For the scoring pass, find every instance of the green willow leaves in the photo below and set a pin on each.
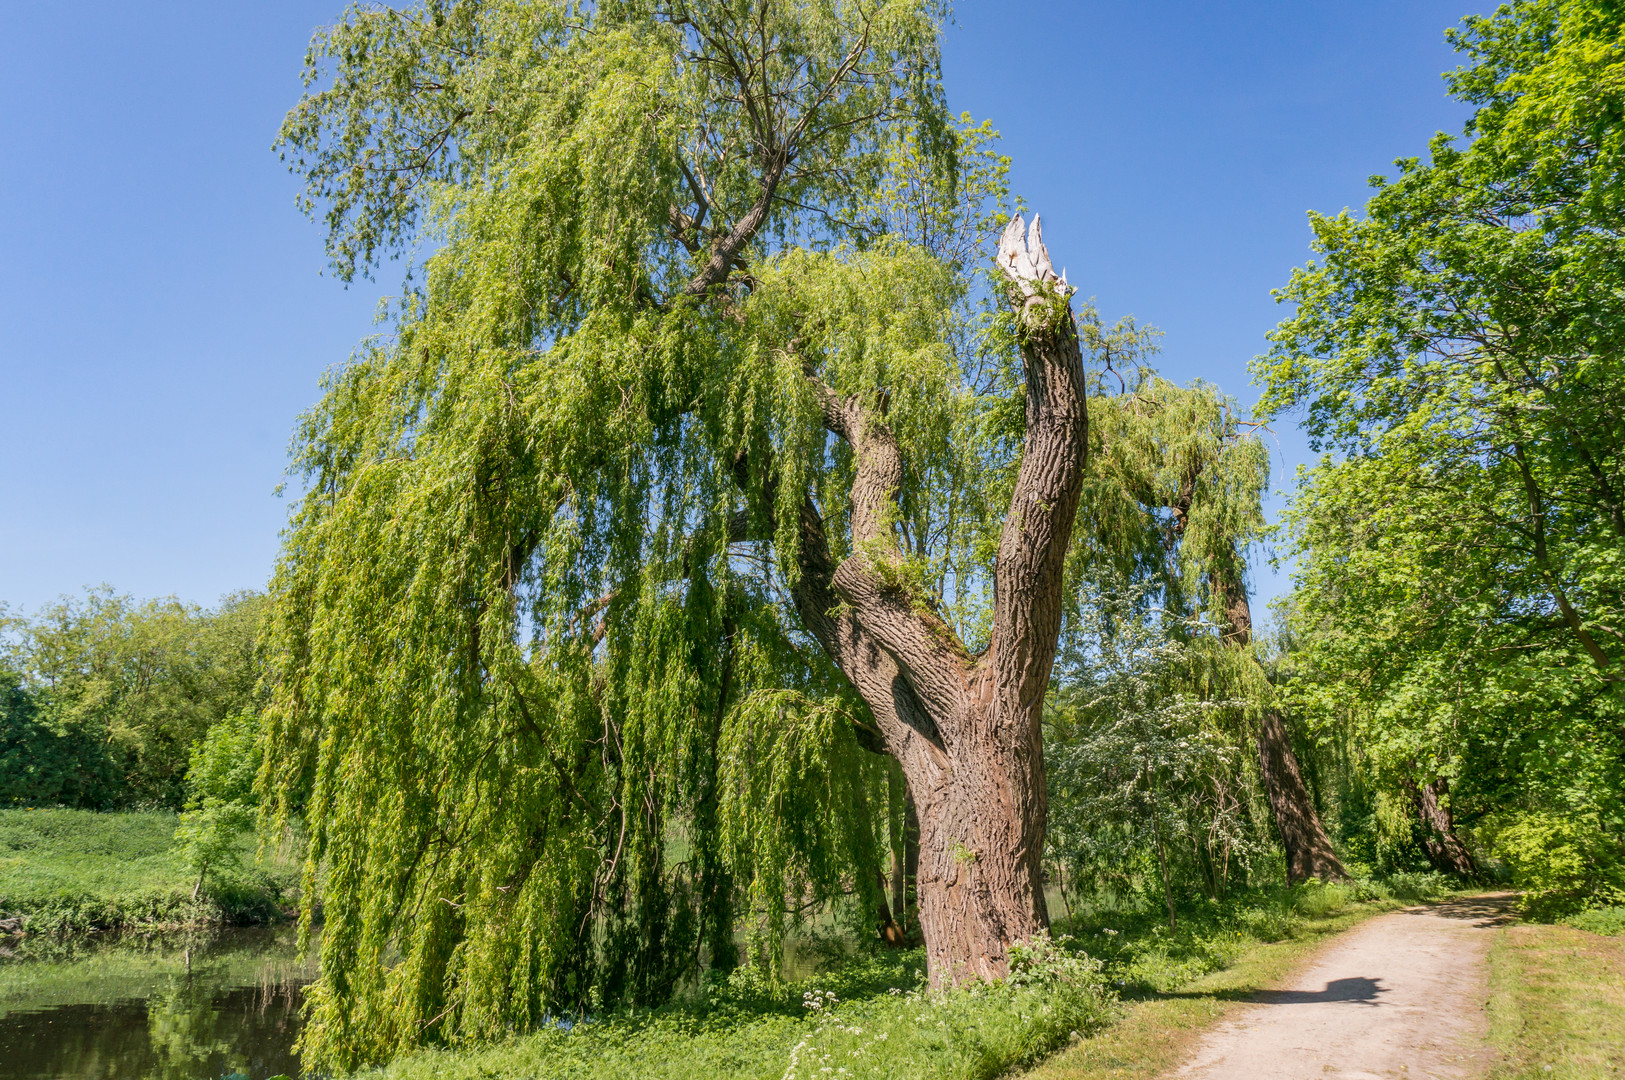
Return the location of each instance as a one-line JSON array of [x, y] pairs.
[[538, 690]]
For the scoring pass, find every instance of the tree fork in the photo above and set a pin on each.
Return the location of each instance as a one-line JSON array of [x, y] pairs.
[[965, 728]]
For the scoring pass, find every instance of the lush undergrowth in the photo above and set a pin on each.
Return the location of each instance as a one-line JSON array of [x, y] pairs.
[[871, 1016], [69, 870], [1606, 921]]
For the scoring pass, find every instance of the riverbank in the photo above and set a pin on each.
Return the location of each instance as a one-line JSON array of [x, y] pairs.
[[191, 1004], [67, 871], [873, 1016]]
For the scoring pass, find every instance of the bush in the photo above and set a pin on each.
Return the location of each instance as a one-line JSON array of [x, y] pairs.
[[1318, 900], [1409, 886], [221, 808], [1562, 863], [1609, 921]]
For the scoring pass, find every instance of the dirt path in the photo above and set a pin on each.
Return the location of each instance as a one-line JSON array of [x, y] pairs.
[[1400, 997]]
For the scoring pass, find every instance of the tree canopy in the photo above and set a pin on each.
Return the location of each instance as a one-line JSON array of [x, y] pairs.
[[118, 691], [1461, 596], [545, 679]]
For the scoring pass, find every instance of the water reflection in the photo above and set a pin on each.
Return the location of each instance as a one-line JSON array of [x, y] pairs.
[[159, 1008]]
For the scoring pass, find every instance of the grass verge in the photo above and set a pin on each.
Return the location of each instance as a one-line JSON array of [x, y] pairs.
[[1557, 1003], [870, 1018], [74, 870]]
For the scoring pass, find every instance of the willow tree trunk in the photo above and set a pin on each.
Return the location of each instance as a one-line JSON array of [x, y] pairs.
[[889, 925], [1444, 848], [964, 727], [1309, 852]]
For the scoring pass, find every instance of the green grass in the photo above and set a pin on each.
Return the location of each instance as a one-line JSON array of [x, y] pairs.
[[869, 1018], [1110, 992], [72, 870], [1557, 1003]]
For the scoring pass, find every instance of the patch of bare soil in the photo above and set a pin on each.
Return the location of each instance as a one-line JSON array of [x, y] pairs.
[[1400, 997]]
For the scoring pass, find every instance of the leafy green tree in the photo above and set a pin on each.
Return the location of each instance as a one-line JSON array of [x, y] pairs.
[[1174, 501], [1462, 578], [132, 686], [43, 765], [1141, 766], [222, 804], [673, 492]]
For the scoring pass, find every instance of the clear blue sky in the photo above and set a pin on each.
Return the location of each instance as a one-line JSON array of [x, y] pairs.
[[163, 318]]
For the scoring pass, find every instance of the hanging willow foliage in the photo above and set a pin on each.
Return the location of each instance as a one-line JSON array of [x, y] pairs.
[[539, 694]]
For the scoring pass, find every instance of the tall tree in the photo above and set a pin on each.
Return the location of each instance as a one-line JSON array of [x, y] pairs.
[[964, 725], [1462, 587], [1185, 457], [667, 494]]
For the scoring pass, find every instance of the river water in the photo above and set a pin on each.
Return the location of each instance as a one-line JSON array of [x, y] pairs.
[[160, 1007]]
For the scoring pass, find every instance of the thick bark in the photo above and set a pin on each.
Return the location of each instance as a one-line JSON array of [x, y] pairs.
[[964, 728], [1444, 848], [1309, 851]]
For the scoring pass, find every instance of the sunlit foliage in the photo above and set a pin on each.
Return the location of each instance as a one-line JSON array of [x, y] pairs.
[[119, 690], [1461, 601], [538, 690]]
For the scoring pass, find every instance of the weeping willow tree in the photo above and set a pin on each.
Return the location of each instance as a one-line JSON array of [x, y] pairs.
[[664, 530], [1175, 500]]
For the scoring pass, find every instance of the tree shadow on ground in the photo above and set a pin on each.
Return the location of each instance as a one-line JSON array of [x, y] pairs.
[[1484, 911], [1357, 989]]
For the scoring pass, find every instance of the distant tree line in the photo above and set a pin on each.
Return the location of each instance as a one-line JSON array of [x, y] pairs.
[[103, 698]]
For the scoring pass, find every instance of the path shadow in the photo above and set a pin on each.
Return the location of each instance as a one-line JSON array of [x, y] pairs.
[[1357, 989], [1485, 910]]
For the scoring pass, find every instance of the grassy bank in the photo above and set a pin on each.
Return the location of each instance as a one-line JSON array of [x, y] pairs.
[[68, 870], [872, 1016], [869, 1018], [1557, 1000]]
